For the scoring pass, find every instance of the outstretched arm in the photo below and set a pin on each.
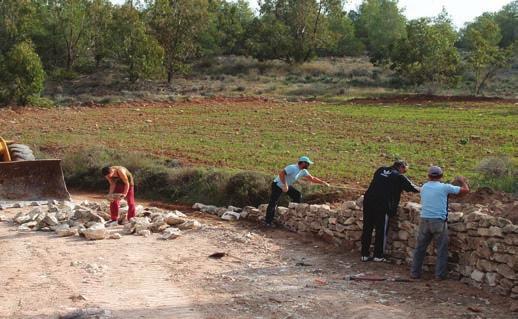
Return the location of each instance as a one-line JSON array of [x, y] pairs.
[[408, 186], [316, 180]]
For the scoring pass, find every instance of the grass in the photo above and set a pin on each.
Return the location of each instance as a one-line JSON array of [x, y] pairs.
[[347, 142]]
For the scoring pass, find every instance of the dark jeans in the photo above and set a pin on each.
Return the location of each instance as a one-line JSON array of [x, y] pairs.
[[429, 229], [293, 193], [377, 221]]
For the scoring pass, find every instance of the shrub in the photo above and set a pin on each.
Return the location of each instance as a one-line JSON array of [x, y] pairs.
[[39, 101], [21, 74], [499, 173], [248, 188], [165, 180]]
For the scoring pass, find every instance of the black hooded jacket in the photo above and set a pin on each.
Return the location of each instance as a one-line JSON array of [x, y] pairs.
[[384, 192]]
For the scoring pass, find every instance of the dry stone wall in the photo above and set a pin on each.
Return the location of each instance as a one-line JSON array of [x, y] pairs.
[[483, 249]]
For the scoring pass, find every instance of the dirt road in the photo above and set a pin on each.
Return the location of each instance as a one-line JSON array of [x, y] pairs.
[[267, 274]]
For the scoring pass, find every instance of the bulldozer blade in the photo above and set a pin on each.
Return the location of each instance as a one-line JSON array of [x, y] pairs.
[[32, 180]]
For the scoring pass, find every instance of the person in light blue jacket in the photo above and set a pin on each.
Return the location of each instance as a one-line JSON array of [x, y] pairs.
[[283, 184], [434, 221]]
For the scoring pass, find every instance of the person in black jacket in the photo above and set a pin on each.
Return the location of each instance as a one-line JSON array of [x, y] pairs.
[[380, 202]]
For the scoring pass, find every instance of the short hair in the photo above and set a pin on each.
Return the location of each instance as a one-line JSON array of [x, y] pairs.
[[106, 170], [400, 163]]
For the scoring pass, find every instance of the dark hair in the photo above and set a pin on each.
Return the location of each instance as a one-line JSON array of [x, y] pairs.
[[400, 163], [303, 162], [106, 170]]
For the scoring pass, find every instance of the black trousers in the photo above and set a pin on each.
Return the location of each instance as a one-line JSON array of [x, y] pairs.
[[293, 193], [377, 221]]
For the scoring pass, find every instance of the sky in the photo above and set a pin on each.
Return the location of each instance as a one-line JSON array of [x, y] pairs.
[[461, 11]]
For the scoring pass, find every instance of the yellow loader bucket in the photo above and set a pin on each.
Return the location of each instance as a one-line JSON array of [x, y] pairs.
[[32, 181]]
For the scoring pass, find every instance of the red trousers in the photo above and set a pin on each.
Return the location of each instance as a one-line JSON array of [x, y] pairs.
[[130, 198]]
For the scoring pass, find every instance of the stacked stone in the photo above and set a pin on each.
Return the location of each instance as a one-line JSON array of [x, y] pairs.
[[483, 249]]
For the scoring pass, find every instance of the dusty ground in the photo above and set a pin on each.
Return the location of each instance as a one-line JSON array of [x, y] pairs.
[[267, 274]]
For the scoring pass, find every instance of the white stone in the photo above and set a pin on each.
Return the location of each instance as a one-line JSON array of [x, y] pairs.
[[172, 218], [171, 233], [64, 230], [350, 205], [477, 275], [491, 279], [190, 224], [230, 215], [24, 228], [95, 232], [144, 233], [455, 217], [141, 223], [115, 236], [50, 220]]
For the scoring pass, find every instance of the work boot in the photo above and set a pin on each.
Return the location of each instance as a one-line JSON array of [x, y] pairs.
[[366, 258], [379, 259]]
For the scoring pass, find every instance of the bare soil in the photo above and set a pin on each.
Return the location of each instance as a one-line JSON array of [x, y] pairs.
[[425, 99], [265, 274]]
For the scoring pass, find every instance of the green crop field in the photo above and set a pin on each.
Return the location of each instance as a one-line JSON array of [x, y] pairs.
[[347, 142]]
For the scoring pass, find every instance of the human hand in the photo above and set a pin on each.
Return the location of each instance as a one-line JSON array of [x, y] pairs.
[[285, 188]]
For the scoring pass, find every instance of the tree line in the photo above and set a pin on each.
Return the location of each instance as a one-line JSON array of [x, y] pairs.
[[153, 38]]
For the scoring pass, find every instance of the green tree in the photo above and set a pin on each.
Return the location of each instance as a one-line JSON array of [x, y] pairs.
[[301, 25], [268, 38], [484, 57], [341, 39], [507, 20], [178, 26], [226, 31], [16, 22], [72, 19], [21, 74], [100, 14], [428, 53], [380, 25], [133, 46]]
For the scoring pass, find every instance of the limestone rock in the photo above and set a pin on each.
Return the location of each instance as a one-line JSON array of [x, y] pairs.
[[24, 228], [230, 215], [477, 275], [64, 230], [115, 236], [95, 232], [141, 223], [173, 218], [144, 233], [506, 271], [455, 217], [190, 224], [171, 233]]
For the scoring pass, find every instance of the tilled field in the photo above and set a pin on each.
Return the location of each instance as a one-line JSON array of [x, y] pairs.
[[347, 141]]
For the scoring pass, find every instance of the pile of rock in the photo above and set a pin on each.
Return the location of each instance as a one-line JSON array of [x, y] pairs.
[[88, 219], [230, 212], [483, 248]]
